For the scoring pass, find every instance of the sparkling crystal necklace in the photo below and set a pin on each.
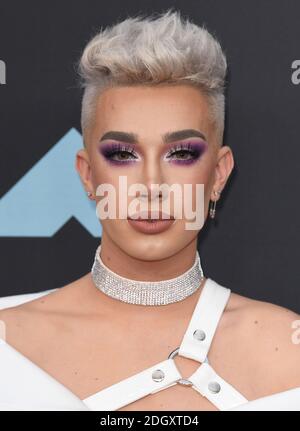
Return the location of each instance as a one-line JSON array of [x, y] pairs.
[[146, 292]]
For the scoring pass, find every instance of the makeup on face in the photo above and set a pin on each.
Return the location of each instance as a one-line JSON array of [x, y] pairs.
[[186, 153], [180, 153]]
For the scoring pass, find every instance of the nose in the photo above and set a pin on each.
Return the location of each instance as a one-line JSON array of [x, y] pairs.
[[152, 178]]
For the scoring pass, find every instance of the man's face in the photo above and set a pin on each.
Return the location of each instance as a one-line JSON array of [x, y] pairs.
[[152, 114]]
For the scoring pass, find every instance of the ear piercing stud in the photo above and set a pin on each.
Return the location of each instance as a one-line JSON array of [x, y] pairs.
[[90, 195]]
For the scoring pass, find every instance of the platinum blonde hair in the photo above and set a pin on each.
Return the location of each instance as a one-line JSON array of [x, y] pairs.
[[154, 50]]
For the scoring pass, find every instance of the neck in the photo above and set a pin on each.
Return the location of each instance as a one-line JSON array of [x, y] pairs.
[[146, 270]]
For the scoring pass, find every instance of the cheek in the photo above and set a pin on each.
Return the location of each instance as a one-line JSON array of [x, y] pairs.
[[102, 173], [188, 175], [200, 174], [194, 183]]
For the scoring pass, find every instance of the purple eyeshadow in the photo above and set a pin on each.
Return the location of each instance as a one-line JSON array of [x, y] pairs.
[[193, 149], [109, 150]]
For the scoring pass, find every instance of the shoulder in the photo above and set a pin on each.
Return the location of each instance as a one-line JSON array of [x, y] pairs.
[[270, 323], [13, 309], [70, 292], [48, 311], [270, 336], [59, 301], [264, 316], [10, 301]]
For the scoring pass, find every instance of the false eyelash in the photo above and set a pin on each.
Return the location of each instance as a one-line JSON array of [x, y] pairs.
[[182, 146], [194, 149], [118, 148]]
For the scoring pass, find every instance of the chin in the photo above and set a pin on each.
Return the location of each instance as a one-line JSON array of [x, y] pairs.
[[146, 247], [150, 247]]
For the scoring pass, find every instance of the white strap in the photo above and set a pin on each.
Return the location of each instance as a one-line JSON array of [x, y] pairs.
[[206, 381], [195, 345], [203, 324], [135, 387], [288, 400]]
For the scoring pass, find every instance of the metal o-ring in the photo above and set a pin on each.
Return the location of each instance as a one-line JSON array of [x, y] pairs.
[[184, 382]]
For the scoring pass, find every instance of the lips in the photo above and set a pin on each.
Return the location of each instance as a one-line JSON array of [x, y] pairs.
[[151, 226], [151, 217]]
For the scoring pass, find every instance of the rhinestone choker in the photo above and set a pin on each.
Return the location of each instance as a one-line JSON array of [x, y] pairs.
[[146, 292]]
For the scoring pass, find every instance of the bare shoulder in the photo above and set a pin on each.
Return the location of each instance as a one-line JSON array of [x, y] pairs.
[[270, 336], [263, 314], [63, 301]]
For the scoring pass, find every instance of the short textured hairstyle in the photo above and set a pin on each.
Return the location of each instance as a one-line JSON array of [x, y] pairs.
[[153, 50]]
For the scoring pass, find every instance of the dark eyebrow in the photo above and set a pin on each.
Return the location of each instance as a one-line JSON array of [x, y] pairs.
[[132, 138]]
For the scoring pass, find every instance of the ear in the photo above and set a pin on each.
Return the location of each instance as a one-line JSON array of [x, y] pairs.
[[223, 169], [83, 167]]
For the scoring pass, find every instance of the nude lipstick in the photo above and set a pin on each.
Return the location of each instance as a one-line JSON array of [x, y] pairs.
[[147, 225]]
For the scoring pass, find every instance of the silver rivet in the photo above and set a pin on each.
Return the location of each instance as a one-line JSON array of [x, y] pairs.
[[214, 387], [158, 375], [199, 334]]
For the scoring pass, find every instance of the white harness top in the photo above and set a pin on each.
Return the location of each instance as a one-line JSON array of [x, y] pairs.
[[195, 345]]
